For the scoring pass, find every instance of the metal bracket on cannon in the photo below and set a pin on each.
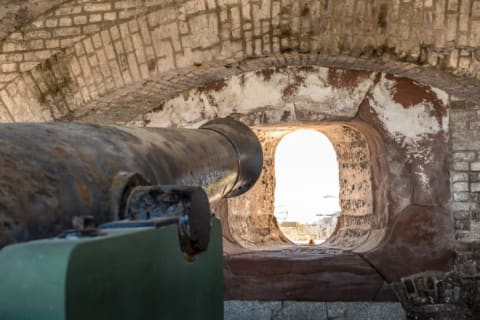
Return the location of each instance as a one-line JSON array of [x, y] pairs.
[[155, 206], [140, 206]]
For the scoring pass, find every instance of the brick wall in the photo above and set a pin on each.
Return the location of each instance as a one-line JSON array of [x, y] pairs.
[[465, 179], [60, 28]]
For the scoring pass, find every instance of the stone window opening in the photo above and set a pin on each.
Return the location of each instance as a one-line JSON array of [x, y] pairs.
[[306, 187], [251, 220]]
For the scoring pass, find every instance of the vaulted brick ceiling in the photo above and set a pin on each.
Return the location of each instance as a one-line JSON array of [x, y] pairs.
[[113, 61]]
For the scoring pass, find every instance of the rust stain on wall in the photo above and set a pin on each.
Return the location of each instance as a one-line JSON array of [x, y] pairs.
[[409, 93], [340, 78]]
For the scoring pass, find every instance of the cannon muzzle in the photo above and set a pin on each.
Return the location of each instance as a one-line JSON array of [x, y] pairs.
[[53, 172]]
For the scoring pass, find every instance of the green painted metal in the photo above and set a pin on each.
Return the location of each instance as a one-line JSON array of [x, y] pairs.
[[134, 274]]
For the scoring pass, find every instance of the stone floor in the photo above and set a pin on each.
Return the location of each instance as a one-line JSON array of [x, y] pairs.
[[303, 273], [292, 310]]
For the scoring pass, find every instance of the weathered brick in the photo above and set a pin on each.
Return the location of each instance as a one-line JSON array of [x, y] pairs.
[[95, 18], [463, 224], [115, 32], [9, 67], [126, 14], [65, 22], [461, 196], [103, 62], [451, 29], [25, 66], [68, 10], [125, 4], [463, 206], [93, 7], [52, 44], [452, 5], [36, 44], [475, 187], [126, 38], [470, 141], [476, 9], [97, 41], [461, 166], [65, 43], [67, 32], [464, 156], [133, 26], [460, 186], [80, 20], [110, 16], [475, 166], [475, 227], [90, 29], [8, 46], [88, 45], [475, 36], [236, 23], [107, 42], [138, 48], [93, 61], [38, 34], [51, 23], [75, 67], [17, 36], [459, 177]]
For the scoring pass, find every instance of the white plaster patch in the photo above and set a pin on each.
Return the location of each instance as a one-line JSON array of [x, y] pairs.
[[186, 110], [445, 99], [319, 97], [423, 178], [410, 127], [273, 96], [263, 97], [441, 95], [409, 124], [245, 94], [250, 93]]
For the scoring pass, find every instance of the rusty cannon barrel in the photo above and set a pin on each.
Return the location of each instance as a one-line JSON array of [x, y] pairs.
[[51, 173]]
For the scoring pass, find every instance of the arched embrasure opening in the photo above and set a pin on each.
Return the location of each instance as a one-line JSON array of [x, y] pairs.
[[251, 219], [306, 197]]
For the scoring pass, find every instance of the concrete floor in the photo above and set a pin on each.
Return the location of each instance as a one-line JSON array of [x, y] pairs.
[[293, 310]]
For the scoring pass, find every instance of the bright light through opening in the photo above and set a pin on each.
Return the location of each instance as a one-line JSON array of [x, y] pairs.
[[307, 186]]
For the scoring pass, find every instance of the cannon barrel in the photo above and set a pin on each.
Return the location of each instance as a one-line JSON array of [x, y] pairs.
[[53, 172]]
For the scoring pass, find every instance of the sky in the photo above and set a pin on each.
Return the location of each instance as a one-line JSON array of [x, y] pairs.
[[306, 173]]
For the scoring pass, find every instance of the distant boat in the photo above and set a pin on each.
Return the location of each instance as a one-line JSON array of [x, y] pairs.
[[329, 196]]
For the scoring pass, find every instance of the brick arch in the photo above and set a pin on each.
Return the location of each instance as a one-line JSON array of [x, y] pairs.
[[48, 91], [16, 14], [179, 40], [34, 33]]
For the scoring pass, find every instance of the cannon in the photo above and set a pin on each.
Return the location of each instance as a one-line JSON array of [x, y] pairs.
[[108, 222]]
